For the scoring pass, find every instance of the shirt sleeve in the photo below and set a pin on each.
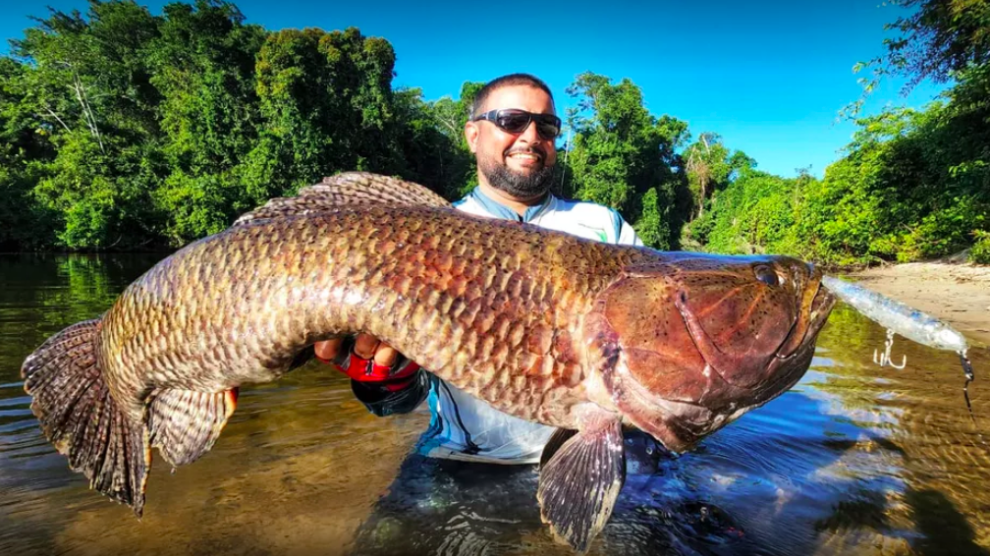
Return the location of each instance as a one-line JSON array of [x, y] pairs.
[[625, 234], [628, 236]]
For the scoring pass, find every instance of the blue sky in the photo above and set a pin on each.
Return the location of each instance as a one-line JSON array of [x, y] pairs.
[[769, 76]]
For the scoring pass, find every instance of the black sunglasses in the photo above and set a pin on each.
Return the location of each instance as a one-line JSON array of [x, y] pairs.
[[517, 121]]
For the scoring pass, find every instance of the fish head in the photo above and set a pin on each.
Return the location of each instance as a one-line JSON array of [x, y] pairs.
[[690, 342]]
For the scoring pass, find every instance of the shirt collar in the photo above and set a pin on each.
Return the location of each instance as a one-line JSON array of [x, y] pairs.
[[499, 210]]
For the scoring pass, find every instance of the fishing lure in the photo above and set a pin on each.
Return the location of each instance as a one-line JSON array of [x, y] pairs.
[[899, 318], [911, 323]]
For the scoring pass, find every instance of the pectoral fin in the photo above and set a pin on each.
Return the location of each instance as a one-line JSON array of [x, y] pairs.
[[557, 439], [185, 424], [581, 481]]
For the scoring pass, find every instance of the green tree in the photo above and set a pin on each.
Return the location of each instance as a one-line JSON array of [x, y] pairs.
[[431, 135], [940, 38], [24, 147], [86, 82], [623, 157], [757, 213], [326, 104], [202, 67], [710, 168], [913, 185]]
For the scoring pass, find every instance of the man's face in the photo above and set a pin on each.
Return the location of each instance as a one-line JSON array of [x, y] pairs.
[[520, 164]]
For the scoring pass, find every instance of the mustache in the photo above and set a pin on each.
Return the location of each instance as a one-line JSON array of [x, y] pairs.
[[537, 150]]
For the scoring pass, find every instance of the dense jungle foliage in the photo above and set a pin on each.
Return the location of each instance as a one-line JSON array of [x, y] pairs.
[[122, 130]]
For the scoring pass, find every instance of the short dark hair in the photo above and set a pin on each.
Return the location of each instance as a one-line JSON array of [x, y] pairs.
[[507, 81]]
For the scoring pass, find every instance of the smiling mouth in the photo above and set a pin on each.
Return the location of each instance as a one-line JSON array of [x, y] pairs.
[[525, 156]]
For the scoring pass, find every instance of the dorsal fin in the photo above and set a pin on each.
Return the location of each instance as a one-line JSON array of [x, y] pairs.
[[347, 189]]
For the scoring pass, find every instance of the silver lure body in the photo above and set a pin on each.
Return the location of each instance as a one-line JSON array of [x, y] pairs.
[[894, 315]]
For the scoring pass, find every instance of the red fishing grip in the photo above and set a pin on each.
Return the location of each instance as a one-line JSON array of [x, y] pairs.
[[405, 368], [367, 370]]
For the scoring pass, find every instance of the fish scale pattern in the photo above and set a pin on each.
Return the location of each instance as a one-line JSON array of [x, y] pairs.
[[494, 307]]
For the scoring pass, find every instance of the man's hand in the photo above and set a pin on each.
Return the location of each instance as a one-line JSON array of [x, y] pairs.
[[368, 359]]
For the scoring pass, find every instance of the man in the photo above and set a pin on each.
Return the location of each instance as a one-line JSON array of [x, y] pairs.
[[512, 132]]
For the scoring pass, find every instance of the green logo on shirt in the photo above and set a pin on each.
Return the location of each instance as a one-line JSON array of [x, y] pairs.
[[598, 232]]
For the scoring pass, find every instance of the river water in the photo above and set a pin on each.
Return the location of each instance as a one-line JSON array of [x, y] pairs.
[[855, 459]]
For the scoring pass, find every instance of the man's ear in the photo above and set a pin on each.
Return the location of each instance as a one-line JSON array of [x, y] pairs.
[[471, 135]]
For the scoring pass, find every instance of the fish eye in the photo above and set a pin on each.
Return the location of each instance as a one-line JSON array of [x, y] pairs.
[[766, 275]]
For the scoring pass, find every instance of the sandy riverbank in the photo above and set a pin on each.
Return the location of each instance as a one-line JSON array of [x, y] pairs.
[[956, 293]]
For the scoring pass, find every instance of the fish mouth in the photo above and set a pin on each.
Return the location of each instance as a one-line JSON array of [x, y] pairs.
[[817, 306], [821, 308]]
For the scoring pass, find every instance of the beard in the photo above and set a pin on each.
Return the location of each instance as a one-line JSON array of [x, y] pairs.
[[520, 185]]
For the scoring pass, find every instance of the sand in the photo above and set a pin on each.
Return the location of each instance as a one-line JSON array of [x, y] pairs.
[[956, 293]]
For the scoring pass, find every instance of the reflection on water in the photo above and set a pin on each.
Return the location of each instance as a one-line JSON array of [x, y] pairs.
[[855, 459]]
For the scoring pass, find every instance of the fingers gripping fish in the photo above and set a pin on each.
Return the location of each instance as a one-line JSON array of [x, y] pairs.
[[579, 335]]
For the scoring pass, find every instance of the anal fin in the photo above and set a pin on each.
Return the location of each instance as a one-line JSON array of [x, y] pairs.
[[184, 424], [580, 483]]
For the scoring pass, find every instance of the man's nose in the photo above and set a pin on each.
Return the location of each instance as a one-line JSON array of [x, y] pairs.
[[530, 135]]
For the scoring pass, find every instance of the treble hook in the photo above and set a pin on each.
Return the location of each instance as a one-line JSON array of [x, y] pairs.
[[883, 359]]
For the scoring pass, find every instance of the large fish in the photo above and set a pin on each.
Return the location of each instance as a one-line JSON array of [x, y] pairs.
[[576, 334]]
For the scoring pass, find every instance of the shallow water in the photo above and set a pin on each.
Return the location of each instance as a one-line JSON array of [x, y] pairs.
[[855, 459]]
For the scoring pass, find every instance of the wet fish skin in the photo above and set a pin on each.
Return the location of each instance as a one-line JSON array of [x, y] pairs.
[[484, 304], [571, 333]]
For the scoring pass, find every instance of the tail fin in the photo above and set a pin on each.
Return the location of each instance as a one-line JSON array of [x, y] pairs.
[[81, 418]]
